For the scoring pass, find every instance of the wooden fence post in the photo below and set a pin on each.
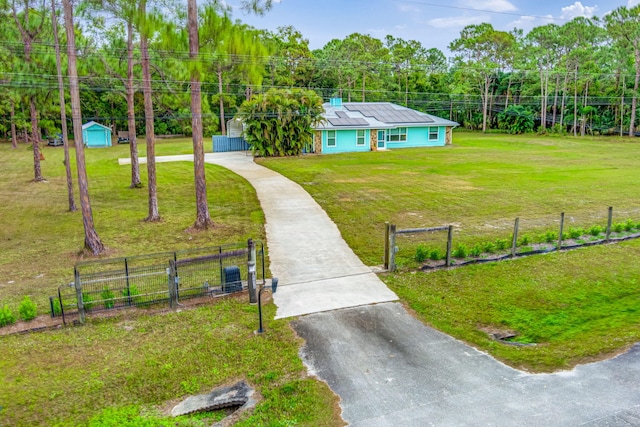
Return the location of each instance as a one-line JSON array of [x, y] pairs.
[[392, 248], [609, 221], [251, 275], [386, 245], [561, 231], [78, 286], [514, 243], [449, 244], [172, 283]]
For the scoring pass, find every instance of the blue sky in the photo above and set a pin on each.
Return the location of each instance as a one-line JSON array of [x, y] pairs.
[[435, 23]]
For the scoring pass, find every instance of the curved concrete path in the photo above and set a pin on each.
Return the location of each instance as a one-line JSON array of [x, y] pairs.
[[317, 270], [387, 367]]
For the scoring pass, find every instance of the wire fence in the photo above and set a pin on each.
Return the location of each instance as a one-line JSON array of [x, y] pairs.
[[427, 248], [161, 278]]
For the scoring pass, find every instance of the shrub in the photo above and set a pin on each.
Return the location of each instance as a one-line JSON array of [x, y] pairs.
[[524, 240], [57, 308], [6, 316], [476, 250], [575, 233], [108, 298], [27, 309], [502, 244], [132, 293], [516, 119], [435, 255], [629, 225], [550, 236], [460, 251], [422, 253], [489, 247], [618, 227], [595, 230], [87, 301]]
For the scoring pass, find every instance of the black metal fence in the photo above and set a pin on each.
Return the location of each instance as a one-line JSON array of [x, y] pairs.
[[162, 278]]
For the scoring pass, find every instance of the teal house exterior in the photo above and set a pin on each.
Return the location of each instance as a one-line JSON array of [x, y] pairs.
[[96, 135], [374, 126]]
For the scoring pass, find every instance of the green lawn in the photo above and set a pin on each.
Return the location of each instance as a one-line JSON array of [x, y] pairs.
[[575, 306], [129, 370]]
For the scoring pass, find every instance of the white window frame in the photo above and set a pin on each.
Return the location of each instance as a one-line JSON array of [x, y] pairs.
[[432, 136], [397, 135], [332, 137], [361, 139]]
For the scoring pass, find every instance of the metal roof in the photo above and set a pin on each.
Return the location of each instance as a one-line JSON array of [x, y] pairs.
[[376, 115]]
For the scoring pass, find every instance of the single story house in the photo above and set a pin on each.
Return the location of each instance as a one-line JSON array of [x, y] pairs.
[[373, 126], [96, 135]]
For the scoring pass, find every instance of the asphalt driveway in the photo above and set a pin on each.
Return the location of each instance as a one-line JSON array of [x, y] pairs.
[[389, 369]]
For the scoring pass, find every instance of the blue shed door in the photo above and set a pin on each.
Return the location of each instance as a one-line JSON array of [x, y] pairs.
[[381, 139]]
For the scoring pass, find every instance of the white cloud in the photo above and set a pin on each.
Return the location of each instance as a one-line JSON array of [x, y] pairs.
[[457, 21], [527, 23], [491, 5], [578, 9]]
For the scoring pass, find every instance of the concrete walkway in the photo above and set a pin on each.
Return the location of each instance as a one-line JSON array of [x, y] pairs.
[[318, 271], [387, 367]]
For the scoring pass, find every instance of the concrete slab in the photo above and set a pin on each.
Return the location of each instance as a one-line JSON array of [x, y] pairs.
[[390, 369], [317, 270]]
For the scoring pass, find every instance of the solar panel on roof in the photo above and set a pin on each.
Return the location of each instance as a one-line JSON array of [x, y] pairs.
[[348, 121]]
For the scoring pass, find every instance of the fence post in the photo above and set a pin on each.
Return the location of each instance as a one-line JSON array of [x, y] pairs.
[[609, 221], [126, 272], [78, 286], [251, 268], [449, 244], [172, 279], [386, 245], [392, 247], [561, 231], [514, 243]]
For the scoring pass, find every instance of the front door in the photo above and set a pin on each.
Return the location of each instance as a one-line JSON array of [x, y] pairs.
[[381, 139]]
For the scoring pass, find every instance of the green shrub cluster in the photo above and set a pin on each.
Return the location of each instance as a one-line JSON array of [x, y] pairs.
[[6, 316], [27, 309], [461, 251]]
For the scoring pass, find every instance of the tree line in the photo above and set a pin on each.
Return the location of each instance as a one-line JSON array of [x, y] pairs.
[[151, 67]]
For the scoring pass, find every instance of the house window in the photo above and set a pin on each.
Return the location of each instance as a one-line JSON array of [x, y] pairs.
[[331, 138], [434, 135], [360, 137], [397, 135]]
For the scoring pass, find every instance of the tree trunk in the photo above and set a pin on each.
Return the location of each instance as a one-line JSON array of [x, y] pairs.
[[634, 99], [63, 111], [223, 124], [202, 206], [14, 135], [485, 103], [154, 214], [583, 119], [555, 102], [564, 99], [575, 103], [622, 106], [131, 111], [35, 139], [91, 239], [506, 100]]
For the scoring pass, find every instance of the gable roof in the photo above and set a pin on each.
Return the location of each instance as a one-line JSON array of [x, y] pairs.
[[375, 115], [92, 123]]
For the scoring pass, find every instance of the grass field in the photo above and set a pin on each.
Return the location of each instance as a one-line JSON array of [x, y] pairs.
[[575, 306], [128, 370]]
